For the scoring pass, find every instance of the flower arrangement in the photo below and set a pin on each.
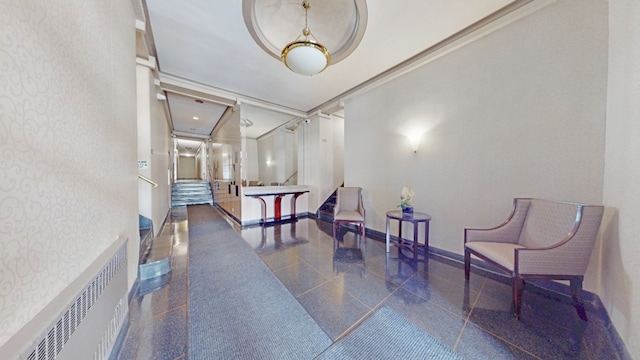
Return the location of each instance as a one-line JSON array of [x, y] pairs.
[[405, 198]]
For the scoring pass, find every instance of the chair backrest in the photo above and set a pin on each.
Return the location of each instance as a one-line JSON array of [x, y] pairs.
[[548, 222], [348, 198]]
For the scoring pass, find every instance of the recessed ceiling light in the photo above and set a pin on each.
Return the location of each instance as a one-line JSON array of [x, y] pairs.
[[195, 118]]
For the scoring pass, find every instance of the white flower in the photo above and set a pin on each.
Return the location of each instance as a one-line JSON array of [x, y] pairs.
[[405, 197]]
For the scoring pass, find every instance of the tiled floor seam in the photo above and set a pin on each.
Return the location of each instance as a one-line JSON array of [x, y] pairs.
[[468, 321], [366, 315]]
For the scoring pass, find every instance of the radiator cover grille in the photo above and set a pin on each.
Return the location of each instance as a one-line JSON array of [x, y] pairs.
[[58, 334]]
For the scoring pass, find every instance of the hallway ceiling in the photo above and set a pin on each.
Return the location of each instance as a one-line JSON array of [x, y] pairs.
[[205, 51]]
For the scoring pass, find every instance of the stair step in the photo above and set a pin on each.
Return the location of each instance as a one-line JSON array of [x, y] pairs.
[[146, 240], [158, 262], [325, 211], [190, 193]]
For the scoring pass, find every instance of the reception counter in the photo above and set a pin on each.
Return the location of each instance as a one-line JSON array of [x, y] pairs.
[[270, 199]]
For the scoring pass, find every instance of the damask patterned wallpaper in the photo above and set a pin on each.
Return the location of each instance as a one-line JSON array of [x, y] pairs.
[[68, 185]]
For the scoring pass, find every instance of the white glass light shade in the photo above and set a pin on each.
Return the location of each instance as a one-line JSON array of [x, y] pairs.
[[305, 57]]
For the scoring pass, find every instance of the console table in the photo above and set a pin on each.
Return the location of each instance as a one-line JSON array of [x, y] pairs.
[[416, 219], [278, 192]]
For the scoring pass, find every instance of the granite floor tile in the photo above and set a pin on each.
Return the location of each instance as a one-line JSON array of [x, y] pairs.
[[280, 259], [337, 289], [429, 317], [366, 286], [446, 294], [393, 269], [476, 343], [535, 335], [333, 308], [300, 277]]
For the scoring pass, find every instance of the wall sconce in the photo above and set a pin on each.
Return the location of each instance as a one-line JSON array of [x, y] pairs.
[[269, 163], [414, 141]]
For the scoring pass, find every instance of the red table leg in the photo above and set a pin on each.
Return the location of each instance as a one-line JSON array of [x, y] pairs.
[[277, 206], [293, 204], [263, 208]]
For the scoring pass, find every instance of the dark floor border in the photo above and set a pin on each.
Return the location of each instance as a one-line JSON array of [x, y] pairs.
[[135, 288]]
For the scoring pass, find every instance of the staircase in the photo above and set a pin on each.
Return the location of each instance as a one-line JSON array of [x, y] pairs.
[[325, 211], [146, 237], [155, 255], [191, 192]]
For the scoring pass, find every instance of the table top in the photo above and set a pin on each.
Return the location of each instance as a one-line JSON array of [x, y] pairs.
[[416, 216], [274, 190], [278, 193]]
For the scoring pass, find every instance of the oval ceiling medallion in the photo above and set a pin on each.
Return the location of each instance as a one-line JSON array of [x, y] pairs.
[[337, 24]]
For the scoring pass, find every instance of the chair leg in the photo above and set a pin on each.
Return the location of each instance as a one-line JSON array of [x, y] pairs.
[[576, 289], [518, 285], [334, 229], [467, 264]]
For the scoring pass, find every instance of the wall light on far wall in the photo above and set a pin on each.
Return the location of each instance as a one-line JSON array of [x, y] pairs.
[[414, 141], [269, 162]]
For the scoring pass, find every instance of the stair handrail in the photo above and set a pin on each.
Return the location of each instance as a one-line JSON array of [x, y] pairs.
[[153, 183], [289, 178]]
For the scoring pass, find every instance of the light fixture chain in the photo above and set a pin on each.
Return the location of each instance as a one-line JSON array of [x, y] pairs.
[[306, 31]]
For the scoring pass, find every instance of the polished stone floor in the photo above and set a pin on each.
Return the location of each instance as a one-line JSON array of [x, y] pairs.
[[340, 282]]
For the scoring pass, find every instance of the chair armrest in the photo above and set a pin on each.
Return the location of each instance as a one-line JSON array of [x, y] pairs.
[[507, 232], [361, 206], [501, 234]]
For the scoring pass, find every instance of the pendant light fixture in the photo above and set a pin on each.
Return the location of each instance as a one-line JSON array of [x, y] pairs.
[[306, 56]]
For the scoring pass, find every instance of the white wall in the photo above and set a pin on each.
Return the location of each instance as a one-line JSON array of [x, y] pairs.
[[280, 150], [520, 112], [290, 157], [144, 89], [187, 167], [68, 188], [271, 158], [154, 144], [201, 162], [250, 161], [619, 287], [338, 151], [161, 161], [546, 107], [321, 164]]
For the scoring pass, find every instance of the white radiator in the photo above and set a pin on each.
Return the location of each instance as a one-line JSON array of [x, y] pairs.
[[84, 321]]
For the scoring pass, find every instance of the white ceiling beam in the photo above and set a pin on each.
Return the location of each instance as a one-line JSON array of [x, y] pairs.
[[178, 85]]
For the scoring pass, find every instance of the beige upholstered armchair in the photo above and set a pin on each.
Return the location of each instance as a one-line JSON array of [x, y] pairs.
[[541, 239], [349, 208]]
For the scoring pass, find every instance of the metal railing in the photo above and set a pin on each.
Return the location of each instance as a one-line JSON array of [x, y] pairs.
[[289, 178], [153, 183]]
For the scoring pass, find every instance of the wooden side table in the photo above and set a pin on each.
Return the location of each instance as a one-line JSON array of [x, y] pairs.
[[416, 219]]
